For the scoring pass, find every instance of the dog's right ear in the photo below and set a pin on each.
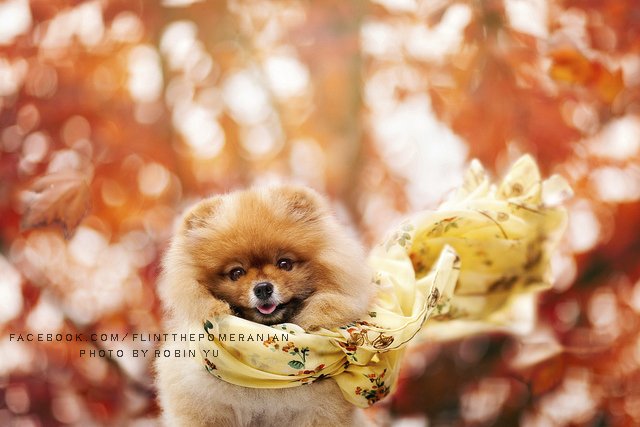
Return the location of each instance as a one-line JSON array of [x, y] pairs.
[[301, 202], [198, 215]]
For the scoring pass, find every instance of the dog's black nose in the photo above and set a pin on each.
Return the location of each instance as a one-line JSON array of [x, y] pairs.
[[263, 290]]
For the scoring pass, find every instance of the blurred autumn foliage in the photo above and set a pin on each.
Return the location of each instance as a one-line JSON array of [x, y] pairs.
[[115, 115]]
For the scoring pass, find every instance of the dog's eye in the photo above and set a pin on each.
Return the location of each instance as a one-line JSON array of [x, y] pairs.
[[285, 264], [236, 273]]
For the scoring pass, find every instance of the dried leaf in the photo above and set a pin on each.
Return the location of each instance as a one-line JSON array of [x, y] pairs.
[[539, 362], [535, 350], [607, 84], [60, 198], [571, 66]]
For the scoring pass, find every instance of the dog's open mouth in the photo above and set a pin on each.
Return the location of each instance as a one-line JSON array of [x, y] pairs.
[[269, 312], [269, 308]]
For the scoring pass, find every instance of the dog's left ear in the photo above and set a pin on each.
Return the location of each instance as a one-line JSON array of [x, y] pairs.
[[199, 214], [301, 202]]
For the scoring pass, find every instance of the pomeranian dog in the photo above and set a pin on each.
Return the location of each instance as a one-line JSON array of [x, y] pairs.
[[270, 255]]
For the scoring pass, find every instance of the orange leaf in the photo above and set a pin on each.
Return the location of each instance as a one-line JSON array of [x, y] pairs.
[[570, 66], [60, 198], [607, 84], [539, 362]]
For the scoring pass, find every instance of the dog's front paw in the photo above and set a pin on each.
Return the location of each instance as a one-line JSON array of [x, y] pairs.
[[309, 327], [326, 311], [216, 308]]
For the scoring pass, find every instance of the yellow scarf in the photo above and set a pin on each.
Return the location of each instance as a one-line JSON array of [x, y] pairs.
[[468, 266]]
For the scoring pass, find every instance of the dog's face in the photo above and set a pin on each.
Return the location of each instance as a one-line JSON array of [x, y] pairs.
[[264, 252], [267, 284]]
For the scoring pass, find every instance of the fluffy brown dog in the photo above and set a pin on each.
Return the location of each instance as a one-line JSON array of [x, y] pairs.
[[269, 255]]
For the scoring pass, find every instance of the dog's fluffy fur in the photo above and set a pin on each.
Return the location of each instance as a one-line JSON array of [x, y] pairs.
[[225, 245]]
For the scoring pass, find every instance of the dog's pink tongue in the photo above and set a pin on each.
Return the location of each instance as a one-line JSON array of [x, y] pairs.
[[267, 308]]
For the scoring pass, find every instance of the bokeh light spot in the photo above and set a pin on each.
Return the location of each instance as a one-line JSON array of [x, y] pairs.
[[87, 245], [42, 81], [145, 74], [177, 41], [245, 98], [75, 129], [66, 408], [584, 227], [126, 27], [153, 179], [529, 16], [287, 76], [10, 291], [15, 19], [615, 184], [28, 118], [45, 316], [35, 147], [17, 398], [200, 128], [12, 74]]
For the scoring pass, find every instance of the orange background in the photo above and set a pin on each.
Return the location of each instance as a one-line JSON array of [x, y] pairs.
[[115, 115]]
